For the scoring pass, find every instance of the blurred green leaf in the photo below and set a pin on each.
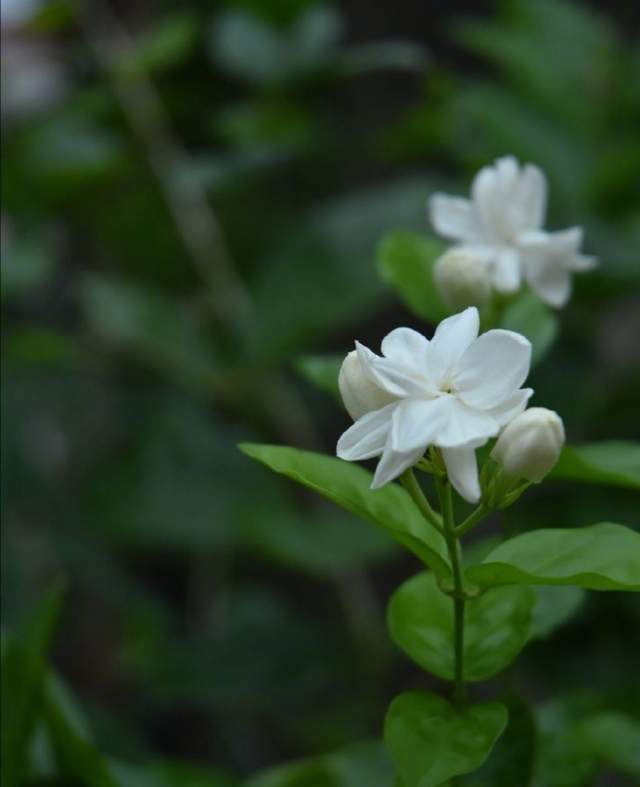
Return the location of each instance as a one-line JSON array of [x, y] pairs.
[[575, 743], [420, 621], [283, 125], [26, 264], [430, 741], [554, 606], [406, 261], [178, 485], [250, 49], [153, 327], [322, 371], [166, 43], [41, 347], [355, 766], [530, 317], [323, 545], [77, 759], [534, 43], [382, 56], [349, 486], [170, 774], [323, 277], [67, 155], [614, 462], [600, 557], [485, 120], [24, 662]]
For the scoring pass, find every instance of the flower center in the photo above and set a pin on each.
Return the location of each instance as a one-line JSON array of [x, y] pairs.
[[446, 387]]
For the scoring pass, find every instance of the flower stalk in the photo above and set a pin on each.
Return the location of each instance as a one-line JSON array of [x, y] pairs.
[[410, 483], [459, 598]]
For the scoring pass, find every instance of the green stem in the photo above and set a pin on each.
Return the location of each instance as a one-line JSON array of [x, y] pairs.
[[455, 556], [410, 483], [472, 520]]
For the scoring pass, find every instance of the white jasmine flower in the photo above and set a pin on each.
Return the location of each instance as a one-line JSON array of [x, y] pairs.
[[503, 223], [359, 392], [462, 278], [549, 259], [530, 444], [454, 392]]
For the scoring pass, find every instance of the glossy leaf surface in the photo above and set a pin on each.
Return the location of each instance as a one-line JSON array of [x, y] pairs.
[[430, 741], [421, 623], [600, 557], [348, 485]]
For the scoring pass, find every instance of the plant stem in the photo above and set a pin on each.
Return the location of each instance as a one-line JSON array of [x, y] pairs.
[[455, 556], [410, 483], [472, 520]]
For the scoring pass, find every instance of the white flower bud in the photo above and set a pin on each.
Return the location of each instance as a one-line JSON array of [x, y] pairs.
[[462, 278], [359, 393], [529, 446]]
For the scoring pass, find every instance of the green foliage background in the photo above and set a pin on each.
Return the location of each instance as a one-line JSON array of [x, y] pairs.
[[192, 207]]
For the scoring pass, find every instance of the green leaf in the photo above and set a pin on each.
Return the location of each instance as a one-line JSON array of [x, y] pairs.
[[165, 44], [381, 56], [349, 486], [26, 264], [430, 741], [512, 760], [615, 462], [530, 317], [23, 670], [421, 623], [329, 257], [169, 774], [322, 545], [614, 739], [600, 557], [405, 261], [574, 743], [252, 50], [150, 326], [322, 371], [77, 758], [554, 606], [357, 765]]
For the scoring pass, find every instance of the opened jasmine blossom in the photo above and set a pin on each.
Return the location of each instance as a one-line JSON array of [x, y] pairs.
[[503, 225], [453, 392]]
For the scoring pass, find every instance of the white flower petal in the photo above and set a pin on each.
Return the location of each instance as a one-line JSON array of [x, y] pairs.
[[551, 282], [484, 189], [462, 470], [452, 337], [368, 435], [452, 217], [406, 347], [445, 422], [512, 406], [466, 425], [418, 422], [531, 197], [392, 464], [580, 263], [493, 367], [506, 271], [392, 378], [359, 392]]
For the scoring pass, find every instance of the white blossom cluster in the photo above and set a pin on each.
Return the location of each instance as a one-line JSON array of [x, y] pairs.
[[453, 392], [500, 241]]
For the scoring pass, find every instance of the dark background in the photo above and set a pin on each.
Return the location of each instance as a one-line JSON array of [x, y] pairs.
[[184, 219]]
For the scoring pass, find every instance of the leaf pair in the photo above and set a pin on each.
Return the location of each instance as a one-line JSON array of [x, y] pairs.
[[601, 557]]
